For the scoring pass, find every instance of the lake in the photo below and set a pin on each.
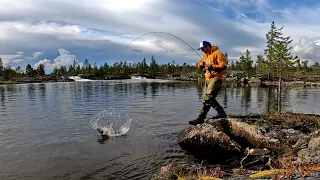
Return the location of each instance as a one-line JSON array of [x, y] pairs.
[[45, 130]]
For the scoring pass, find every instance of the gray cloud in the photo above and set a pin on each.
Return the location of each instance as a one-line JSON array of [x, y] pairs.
[[91, 31]]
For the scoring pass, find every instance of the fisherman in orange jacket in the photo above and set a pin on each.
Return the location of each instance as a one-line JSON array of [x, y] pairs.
[[214, 63]]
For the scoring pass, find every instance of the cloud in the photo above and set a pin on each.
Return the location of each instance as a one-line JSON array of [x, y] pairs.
[[12, 60], [99, 30], [64, 59], [37, 54], [307, 49]]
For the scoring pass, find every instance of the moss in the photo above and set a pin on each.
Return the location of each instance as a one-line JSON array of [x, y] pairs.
[[267, 173]]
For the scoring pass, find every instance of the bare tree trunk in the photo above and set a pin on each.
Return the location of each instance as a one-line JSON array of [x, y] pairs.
[[279, 95]]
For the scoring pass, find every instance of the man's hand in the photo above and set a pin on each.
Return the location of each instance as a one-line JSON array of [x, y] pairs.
[[208, 67], [202, 64]]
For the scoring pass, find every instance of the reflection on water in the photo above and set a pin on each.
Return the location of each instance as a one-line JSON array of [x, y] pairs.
[[50, 123]]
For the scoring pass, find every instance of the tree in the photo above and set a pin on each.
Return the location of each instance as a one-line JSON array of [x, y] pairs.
[[232, 66], [272, 37], [41, 70], [29, 70], [262, 66], [242, 62], [279, 59], [248, 63], [18, 70], [85, 65], [56, 71], [226, 57], [153, 65], [1, 67]]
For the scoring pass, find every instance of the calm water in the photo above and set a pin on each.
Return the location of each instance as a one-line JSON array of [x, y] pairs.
[[45, 130]]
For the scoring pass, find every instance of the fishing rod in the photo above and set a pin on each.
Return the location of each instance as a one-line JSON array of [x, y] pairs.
[[164, 33]]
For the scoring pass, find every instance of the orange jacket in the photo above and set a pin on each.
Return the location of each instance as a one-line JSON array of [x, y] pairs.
[[216, 63]]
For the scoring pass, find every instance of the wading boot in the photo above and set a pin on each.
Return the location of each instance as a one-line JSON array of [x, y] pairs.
[[220, 113], [199, 120], [203, 113]]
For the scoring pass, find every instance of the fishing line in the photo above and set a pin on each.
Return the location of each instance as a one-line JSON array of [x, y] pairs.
[[168, 34], [162, 32]]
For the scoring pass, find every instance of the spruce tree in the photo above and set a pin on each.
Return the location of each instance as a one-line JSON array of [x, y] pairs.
[[248, 63], [272, 40], [278, 56], [1, 67], [262, 68]]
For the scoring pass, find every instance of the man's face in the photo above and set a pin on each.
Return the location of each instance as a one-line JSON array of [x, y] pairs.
[[206, 49]]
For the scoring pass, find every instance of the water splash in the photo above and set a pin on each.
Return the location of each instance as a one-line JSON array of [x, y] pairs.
[[112, 121]]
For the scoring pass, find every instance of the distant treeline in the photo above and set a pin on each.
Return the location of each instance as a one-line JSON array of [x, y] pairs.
[[276, 62]]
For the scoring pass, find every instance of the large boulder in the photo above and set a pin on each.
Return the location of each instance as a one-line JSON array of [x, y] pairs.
[[205, 140]]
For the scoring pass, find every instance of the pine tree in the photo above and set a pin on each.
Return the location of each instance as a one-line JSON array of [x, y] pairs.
[[153, 65], [248, 63], [1, 67], [272, 40], [29, 70], [279, 58], [41, 70], [242, 62], [262, 68]]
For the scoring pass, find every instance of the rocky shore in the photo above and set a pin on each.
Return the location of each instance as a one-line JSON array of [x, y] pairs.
[[250, 147], [193, 76]]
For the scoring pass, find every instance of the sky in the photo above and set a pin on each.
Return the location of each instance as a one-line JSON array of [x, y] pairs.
[[56, 32]]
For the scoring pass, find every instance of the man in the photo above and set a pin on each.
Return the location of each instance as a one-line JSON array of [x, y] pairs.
[[214, 63]]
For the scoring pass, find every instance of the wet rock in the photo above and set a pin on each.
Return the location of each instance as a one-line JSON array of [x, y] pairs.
[[205, 140], [105, 134], [311, 154]]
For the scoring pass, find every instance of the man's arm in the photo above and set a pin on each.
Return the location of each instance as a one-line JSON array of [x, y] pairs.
[[201, 64], [222, 63]]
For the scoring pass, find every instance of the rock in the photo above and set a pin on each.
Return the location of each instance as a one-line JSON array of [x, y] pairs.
[[288, 136], [311, 154], [205, 140], [105, 134], [230, 137], [254, 80], [248, 135], [304, 141]]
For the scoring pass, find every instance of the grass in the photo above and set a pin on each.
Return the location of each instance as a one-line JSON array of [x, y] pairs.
[[306, 123], [289, 168], [8, 82], [182, 172]]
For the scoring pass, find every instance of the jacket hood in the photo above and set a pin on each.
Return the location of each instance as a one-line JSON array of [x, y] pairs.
[[214, 48]]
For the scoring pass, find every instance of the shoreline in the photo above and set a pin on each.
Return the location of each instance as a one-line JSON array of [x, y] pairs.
[[267, 83], [181, 78]]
